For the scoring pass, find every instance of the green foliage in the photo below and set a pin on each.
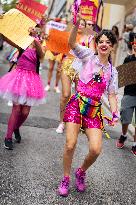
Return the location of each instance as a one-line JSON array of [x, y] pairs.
[[7, 6]]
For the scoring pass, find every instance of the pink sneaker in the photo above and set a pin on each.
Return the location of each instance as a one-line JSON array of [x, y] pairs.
[[64, 186], [80, 180]]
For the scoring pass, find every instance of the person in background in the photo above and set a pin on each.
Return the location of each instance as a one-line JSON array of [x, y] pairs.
[[68, 74], [128, 103], [53, 59], [24, 87], [114, 52], [125, 39]]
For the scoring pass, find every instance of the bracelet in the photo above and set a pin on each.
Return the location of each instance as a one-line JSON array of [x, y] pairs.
[[115, 115]]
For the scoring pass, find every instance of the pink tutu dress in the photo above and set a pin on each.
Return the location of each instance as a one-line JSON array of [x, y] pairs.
[[94, 80], [23, 85]]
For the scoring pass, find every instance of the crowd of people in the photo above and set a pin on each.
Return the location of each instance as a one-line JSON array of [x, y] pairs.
[[90, 66]]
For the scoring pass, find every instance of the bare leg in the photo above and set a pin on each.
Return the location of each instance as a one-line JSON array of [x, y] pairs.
[[95, 145], [50, 71], [72, 130], [66, 93], [76, 81], [58, 74], [125, 129]]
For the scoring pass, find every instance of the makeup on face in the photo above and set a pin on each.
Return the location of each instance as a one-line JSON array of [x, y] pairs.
[[81, 26], [104, 45]]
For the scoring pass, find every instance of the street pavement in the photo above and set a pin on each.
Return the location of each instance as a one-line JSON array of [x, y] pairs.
[[30, 174]]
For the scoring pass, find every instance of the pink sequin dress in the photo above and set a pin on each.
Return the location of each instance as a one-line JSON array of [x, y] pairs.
[[91, 85], [23, 85]]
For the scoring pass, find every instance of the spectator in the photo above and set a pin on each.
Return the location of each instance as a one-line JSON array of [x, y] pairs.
[[125, 39], [128, 103], [114, 52]]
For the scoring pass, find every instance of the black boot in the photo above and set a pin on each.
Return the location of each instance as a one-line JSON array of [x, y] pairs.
[[17, 135], [8, 144]]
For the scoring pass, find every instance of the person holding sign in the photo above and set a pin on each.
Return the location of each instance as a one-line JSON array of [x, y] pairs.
[[68, 74], [96, 75], [24, 87], [53, 58]]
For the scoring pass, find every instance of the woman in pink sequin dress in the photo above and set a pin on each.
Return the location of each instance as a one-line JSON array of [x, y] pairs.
[[24, 87], [96, 75]]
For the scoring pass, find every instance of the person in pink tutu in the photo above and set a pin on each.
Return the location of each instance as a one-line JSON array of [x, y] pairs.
[[24, 87], [96, 76]]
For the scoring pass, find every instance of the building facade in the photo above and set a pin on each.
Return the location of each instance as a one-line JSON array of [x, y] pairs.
[[57, 8], [116, 12], [1, 10], [119, 13]]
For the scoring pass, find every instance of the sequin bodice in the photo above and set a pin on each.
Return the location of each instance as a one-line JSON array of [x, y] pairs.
[[27, 60], [92, 89]]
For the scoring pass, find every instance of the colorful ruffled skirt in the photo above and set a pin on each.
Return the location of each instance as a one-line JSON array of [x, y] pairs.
[[22, 87]]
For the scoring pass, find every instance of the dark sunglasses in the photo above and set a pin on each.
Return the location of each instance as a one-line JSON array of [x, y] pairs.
[[90, 24]]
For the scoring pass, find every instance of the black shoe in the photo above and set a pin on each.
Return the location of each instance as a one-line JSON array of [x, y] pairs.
[[17, 135], [133, 150], [8, 144], [120, 142]]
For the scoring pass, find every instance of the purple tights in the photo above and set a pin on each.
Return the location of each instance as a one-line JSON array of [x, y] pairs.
[[17, 118]]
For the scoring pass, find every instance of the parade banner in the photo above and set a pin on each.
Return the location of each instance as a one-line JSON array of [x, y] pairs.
[[34, 10], [56, 25], [14, 25], [88, 9]]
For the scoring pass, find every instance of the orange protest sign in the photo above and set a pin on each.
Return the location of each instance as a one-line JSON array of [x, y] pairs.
[[58, 41]]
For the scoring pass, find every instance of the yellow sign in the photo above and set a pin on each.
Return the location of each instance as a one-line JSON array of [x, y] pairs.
[[15, 25], [96, 2]]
